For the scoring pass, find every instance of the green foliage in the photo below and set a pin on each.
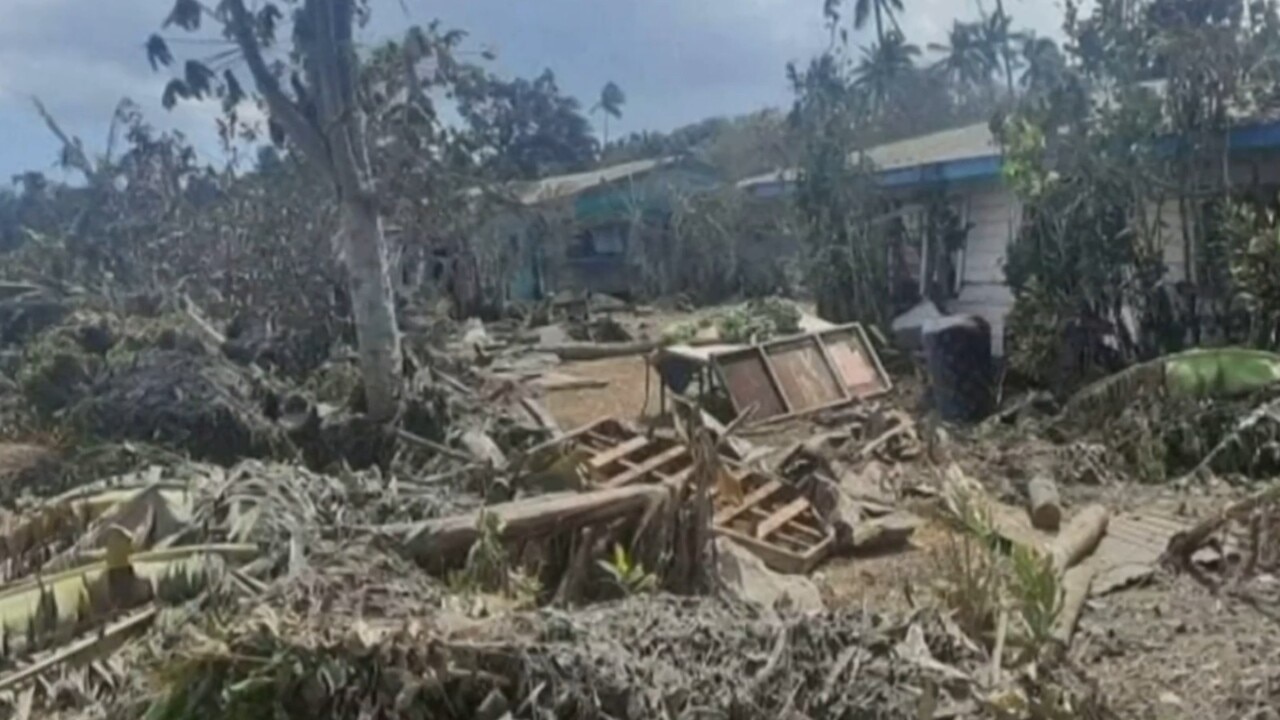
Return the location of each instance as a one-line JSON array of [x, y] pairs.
[[611, 100], [534, 129], [1084, 152], [1253, 238], [626, 574], [1036, 595], [980, 576], [758, 320]]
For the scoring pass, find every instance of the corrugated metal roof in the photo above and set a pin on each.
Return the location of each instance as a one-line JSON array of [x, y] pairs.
[[964, 143], [564, 186]]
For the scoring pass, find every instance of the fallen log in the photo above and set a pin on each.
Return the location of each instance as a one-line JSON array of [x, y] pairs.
[[1080, 536], [445, 541], [1182, 545], [1043, 503], [1075, 590], [603, 350], [600, 351]]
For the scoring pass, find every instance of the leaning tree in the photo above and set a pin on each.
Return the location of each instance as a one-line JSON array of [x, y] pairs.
[[310, 94]]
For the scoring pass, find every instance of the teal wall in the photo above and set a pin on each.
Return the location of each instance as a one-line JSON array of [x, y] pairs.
[[653, 193]]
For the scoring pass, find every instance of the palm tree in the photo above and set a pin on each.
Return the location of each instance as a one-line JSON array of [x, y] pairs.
[[999, 39], [1044, 63], [863, 10], [883, 68], [610, 103], [967, 60]]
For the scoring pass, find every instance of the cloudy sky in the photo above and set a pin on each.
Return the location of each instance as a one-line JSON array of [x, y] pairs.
[[677, 60]]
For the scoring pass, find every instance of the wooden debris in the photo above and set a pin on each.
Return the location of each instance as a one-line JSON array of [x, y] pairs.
[[777, 523], [1079, 537], [885, 533], [553, 381], [599, 351], [433, 446], [904, 425], [483, 448], [1075, 590], [542, 416], [445, 541], [1043, 503], [1183, 544]]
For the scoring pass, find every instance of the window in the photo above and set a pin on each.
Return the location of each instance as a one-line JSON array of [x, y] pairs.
[[603, 241]]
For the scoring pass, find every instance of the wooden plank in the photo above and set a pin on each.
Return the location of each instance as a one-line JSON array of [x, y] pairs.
[[679, 479], [755, 497], [636, 472], [856, 363], [832, 368], [778, 558], [746, 378], [789, 512], [808, 380], [612, 455], [788, 404]]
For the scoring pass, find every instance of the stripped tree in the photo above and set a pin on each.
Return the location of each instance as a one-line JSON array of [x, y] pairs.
[[319, 117]]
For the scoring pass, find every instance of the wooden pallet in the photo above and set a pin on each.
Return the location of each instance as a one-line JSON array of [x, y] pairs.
[[621, 455], [778, 524], [770, 517]]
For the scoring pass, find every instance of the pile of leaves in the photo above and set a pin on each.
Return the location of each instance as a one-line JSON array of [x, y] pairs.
[[637, 658], [759, 320]]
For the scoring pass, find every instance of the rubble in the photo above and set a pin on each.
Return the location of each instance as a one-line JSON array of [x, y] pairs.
[[500, 564]]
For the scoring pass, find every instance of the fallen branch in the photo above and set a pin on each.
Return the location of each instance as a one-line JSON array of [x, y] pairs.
[[997, 655], [433, 446], [1183, 544], [600, 351], [904, 425], [1266, 411], [446, 541]]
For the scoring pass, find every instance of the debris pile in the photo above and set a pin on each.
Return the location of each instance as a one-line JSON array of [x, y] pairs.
[[196, 533]]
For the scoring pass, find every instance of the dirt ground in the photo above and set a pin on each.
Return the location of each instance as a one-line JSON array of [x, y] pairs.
[[1170, 649], [624, 396], [1176, 649]]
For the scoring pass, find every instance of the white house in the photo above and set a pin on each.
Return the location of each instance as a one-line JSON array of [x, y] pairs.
[[966, 163]]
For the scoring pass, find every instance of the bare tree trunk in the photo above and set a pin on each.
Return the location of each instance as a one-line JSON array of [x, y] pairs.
[[335, 143], [372, 306]]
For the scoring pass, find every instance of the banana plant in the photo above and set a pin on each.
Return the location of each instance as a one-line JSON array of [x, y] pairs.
[[1218, 373]]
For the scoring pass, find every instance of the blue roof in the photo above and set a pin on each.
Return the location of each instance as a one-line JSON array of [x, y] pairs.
[[968, 153]]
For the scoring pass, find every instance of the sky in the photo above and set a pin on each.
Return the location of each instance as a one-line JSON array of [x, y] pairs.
[[678, 61]]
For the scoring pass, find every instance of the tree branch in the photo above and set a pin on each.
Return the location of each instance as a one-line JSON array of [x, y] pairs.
[[74, 154], [308, 137]]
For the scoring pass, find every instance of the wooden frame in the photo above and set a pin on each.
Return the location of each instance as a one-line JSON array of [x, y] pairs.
[[776, 523], [744, 393], [772, 518]]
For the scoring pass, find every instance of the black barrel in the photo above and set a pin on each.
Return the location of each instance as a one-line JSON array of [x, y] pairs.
[[957, 352]]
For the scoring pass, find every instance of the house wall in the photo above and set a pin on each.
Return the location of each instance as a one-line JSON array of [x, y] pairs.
[[993, 214], [1257, 173]]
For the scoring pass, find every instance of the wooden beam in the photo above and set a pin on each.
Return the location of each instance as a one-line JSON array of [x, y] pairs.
[[612, 455], [636, 472], [755, 497], [789, 512], [445, 541]]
